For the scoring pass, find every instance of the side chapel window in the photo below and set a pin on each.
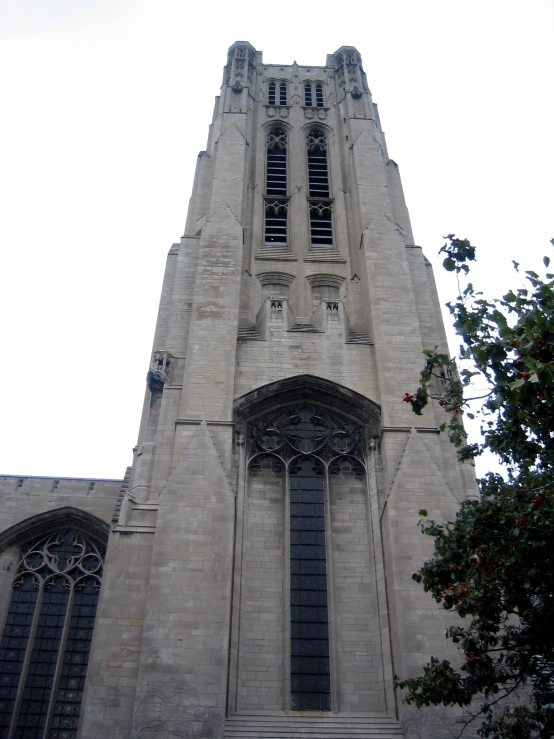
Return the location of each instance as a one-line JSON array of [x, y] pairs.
[[47, 636], [276, 201], [320, 204]]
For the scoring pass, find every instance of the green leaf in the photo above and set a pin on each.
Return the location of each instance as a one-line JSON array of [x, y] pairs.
[[516, 384], [423, 513], [546, 261], [533, 377], [449, 264]]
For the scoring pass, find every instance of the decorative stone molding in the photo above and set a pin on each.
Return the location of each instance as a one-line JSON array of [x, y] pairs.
[[272, 111], [240, 71]]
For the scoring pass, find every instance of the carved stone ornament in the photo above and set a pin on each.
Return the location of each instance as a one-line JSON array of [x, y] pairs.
[[321, 114], [271, 112], [308, 113], [283, 112], [237, 86], [356, 92], [158, 374]]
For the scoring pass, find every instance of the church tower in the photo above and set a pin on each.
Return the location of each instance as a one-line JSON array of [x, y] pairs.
[[257, 579]]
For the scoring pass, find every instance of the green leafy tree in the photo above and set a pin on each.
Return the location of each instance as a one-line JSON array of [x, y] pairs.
[[494, 565]]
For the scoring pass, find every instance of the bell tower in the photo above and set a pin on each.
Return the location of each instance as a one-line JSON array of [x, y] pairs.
[[258, 576]]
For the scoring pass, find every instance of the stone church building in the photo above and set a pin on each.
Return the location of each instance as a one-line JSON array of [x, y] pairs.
[[250, 576]]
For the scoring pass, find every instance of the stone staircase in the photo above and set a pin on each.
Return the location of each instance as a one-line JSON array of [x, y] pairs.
[[249, 333], [122, 490], [307, 328], [358, 337], [311, 727]]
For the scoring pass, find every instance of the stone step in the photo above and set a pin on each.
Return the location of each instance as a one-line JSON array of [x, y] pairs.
[[308, 727], [249, 333], [358, 337], [305, 328], [122, 490]]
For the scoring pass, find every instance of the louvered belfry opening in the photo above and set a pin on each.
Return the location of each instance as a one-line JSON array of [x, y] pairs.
[[271, 93], [319, 96], [283, 93], [276, 200], [320, 203], [308, 101]]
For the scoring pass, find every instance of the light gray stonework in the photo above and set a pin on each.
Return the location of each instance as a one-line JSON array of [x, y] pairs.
[[193, 630]]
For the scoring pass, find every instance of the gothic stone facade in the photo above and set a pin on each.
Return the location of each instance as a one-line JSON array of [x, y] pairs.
[[258, 554]]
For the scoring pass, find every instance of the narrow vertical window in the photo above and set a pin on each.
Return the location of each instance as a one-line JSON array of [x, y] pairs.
[[319, 96], [309, 621], [283, 93], [276, 201], [39, 681], [47, 637], [271, 93], [320, 204], [308, 95]]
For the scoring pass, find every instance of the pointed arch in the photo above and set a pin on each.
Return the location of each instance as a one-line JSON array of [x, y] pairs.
[[310, 388], [49, 623], [44, 523]]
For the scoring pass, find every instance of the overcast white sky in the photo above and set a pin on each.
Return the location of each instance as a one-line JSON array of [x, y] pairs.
[[105, 106]]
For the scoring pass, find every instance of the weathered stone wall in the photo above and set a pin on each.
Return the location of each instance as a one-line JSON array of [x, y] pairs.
[[262, 645]]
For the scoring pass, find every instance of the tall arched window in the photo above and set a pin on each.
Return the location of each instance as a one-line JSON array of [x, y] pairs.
[[271, 93], [47, 636], [320, 204], [283, 93], [276, 200], [309, 442]]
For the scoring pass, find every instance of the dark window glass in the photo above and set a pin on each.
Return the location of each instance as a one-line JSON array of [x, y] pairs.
[[39, 681], [283, 93], [33, 673], [271, 93], [14, 644], [310, 674], [308, 95], [74, 668]]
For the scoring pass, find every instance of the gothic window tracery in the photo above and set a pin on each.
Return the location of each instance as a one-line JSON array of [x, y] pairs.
[[47, 636], [319, 202], [276, 200]]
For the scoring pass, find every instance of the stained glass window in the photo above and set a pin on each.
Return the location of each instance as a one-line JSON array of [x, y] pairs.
[[47, 636]]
